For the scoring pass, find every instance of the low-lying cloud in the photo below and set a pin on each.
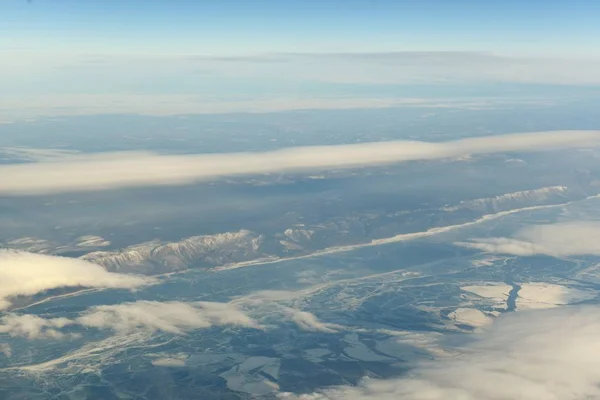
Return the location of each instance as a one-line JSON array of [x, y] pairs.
[[33, 326], [142, 316], [26, 274], [255, 82], [134, 169], [25, 107], [550, 354], [559, 240], [5, 350], [172, 317], [307, 321], [270, 305]]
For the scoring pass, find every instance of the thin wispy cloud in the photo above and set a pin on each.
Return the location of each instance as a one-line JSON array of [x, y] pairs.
[[270, 305], [22, 107], [393, 67], [561, 239], [307, 321], [30, 154], [161, 84], [5, 350], [135, 169]]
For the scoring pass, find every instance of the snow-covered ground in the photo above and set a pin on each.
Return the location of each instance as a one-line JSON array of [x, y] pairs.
[[92, 241], [246, 377], [497, 293], [470, 316], [546, 295], [359, 351]]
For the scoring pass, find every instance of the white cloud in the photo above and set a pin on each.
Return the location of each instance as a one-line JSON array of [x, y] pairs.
[[400, 67], [559, 239], [32, 154], [115, 170], [6, 350], [17, 108], [26, 274], [550, 355], [173, 317], [169, 84], [169, 362], [308, 321], [432, 67], [268, 296], [33, 327], [141, 316], [270, 304]]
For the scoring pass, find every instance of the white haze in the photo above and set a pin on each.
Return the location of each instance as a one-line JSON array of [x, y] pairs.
[[561, 239], [25, 274], [550, 355], [131, 169]]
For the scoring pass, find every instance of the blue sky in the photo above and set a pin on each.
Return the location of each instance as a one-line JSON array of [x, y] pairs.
[[116, 54], [241, 26]]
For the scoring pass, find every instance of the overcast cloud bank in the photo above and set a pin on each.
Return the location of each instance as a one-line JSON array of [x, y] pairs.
[[550, 355], [134, 169]]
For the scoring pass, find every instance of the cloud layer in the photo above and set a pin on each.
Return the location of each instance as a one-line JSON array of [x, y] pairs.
[[19, 107], [130, 169], [560, 240], [400, 67], [26, 274], [551, 355], [171, 84]]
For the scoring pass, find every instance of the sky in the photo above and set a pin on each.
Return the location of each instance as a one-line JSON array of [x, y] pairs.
[[239, 26], [92, 56]]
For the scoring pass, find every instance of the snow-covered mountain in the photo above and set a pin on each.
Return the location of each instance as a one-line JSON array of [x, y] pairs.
[[220, 249], [297, 238], [207, 251], [507, 201]]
